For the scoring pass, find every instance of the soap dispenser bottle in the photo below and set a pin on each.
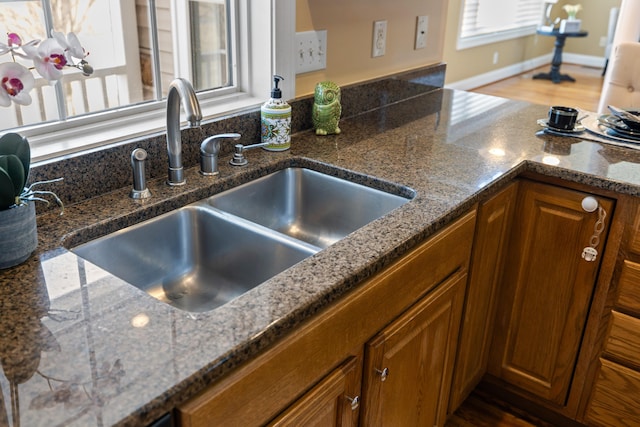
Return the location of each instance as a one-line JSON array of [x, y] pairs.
[[276, 120]]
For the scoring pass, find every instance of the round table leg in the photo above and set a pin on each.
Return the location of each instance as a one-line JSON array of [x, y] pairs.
[[554, 75]]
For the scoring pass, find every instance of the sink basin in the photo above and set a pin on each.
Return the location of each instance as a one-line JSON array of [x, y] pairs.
[[310, 206], [205, 254], [194, 258]]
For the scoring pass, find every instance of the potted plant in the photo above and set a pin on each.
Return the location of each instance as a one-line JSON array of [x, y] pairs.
[[572, 10], [18, 235], [571, 24], [18, 231]]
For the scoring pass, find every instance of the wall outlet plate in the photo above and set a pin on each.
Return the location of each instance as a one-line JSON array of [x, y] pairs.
[[379, 38], [311, 51], [422, 25]]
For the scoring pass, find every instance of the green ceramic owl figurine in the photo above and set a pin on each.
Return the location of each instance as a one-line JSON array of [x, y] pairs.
[[326, 108]]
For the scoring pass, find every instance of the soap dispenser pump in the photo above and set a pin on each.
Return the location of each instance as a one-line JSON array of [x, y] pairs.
[[276, 120]]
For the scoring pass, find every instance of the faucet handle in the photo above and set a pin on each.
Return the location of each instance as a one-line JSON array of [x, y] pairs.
[[209, 150]]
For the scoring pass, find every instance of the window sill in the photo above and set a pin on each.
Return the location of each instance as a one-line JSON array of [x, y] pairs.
[[92, 136]]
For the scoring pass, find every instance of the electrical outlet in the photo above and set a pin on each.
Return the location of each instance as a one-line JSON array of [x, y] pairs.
[[311, 51], [422, 23], [379, 38], [496, 56]]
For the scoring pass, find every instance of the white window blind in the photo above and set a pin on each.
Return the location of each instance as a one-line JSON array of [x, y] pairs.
[[488, 21]]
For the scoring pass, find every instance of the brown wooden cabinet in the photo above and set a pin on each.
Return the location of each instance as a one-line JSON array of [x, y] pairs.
[[546, 290], [614, 397], [334, 402], [526, 268], [408, 365], [304, 370], [492, 230]]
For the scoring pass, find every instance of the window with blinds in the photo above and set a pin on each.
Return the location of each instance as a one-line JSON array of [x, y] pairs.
[[489, 21]]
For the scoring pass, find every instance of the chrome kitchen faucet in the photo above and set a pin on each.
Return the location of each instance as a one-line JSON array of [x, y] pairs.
[[179, 89]]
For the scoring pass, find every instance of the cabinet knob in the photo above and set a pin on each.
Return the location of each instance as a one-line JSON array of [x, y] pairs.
[[355, 402], [589, 204], [383, 374]]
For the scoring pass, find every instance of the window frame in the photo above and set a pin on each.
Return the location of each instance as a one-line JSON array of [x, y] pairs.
[[496, 34], [260, 57]]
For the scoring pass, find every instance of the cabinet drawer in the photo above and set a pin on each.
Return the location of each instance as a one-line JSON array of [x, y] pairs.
[[623, 342], [614, 401], [629, 287]]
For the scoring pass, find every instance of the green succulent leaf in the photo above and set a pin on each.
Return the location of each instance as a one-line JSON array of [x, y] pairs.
[[12, 166], [7, 196], [16, 144]]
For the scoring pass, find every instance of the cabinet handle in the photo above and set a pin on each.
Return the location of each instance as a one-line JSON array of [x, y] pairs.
[[355, 402], [383, 374], [589, 204]]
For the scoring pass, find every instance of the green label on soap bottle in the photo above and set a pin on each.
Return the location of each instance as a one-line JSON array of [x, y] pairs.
[[276, 129]]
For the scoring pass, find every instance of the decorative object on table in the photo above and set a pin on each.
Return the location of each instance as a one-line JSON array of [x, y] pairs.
[[631, 118], [577, 129], [616, 127], [275, 120], [547, 24], [609, 129], [49, 59], [562, 118], [18, 232], [572, 10], [571, 24], [327, 108]]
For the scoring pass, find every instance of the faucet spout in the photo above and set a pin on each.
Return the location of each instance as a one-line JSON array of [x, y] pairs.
[[179, 90]]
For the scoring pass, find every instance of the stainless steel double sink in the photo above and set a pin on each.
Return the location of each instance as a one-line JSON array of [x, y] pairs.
[[203, 255]]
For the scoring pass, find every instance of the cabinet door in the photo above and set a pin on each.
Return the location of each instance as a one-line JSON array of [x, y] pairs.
[[408, 365], [546, 290], [333, 402], [492, 231]]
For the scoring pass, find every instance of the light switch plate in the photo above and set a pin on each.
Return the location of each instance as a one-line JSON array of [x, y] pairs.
[[311, 51]]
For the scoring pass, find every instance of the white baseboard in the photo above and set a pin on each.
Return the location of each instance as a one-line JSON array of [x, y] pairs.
[[515, 69], [586, 60]]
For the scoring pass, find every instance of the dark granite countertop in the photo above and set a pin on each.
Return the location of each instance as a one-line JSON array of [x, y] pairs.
[[79, 347]]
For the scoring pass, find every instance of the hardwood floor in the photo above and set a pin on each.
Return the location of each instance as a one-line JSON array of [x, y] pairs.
[[584, 93], [482, 410]]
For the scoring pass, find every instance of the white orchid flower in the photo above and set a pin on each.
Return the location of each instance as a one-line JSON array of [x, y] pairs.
[[71, 45], [16, 81], [48, 58]]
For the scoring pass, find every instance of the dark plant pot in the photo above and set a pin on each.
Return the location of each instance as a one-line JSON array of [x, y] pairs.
[[18, 234]]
